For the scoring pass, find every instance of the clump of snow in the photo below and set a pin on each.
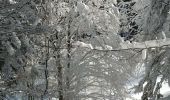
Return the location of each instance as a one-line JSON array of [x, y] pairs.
[[12, 2], [15, 40], [82, 44], [164, 35], [144, 54], [10, 49], [165, 90], [98, 48], [108, 47]]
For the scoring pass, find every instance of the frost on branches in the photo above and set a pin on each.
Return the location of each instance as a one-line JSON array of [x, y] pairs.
[[82, 49]]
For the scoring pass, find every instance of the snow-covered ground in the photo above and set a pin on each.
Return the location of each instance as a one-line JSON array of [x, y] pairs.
[[165, 90]]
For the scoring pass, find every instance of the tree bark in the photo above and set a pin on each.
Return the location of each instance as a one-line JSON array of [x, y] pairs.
[[60, 78], [46, 67], [59, 69], [68, 63]]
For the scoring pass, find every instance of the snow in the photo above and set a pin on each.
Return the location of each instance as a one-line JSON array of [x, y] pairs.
[[115, 1], [12, 1], [165, 90], [138, 74], [164, 35], [15, 40], [98, 48], [144, 54], [54, 98], [10, 49], [108, 47], [82, 44], [146, 44]]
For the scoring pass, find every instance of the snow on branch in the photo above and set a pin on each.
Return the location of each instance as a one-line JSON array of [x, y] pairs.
[[123, 46], [82, 44], [140, 45], [128, 46], [146, 44]]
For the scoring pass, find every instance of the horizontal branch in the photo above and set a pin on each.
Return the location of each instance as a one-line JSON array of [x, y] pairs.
[[125, 45], [146, 44], [140, 45]]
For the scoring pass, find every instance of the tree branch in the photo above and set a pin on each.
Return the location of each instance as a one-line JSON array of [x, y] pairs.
[[140, 45]]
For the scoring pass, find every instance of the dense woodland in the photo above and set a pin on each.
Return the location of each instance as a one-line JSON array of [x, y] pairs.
[[84, 49]]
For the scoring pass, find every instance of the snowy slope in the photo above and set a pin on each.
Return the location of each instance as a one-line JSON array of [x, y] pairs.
[[165, 90]]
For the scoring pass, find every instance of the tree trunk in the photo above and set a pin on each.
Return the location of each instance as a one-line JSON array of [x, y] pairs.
[[59, 69], [68, 63], [46, 67], [60, 78]]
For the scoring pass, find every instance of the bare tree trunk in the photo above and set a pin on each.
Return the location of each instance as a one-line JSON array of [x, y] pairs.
[[68, 63], [46, 67], [59, 69], [60, 78]]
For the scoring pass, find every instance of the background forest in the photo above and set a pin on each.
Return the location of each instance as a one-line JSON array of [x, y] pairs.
[[84, 49]]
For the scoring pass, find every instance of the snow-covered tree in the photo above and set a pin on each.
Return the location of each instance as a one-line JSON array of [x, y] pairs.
[[153, 16], [73, 49], [19, 22], [78, 28]]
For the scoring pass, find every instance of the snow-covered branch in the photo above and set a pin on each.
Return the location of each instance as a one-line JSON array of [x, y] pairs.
[[140, 45], [146, 44], [127, 45]]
